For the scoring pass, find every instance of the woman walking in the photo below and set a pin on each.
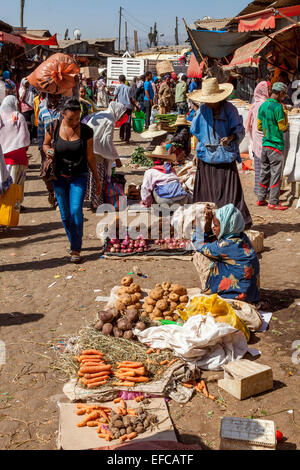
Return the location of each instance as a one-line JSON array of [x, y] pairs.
[[102, 93], [73, 155], [261, 94], [219, 130], [14, 139]]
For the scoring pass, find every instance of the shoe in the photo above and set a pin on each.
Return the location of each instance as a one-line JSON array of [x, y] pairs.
[[277, 207], [76, 259], [261, 203]]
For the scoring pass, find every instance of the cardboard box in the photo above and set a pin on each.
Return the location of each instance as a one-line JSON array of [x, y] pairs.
[[247, 434], [91, 73], [71, 437]]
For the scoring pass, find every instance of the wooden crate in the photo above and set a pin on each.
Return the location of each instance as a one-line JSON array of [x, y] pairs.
[[247, 434]]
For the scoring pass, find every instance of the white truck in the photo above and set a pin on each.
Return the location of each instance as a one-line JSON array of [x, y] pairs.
[[127, 66]]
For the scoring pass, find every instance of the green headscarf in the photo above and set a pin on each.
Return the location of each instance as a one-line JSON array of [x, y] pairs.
[[231, 220]]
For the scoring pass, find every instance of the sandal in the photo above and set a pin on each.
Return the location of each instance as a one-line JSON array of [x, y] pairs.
[[76, 259]]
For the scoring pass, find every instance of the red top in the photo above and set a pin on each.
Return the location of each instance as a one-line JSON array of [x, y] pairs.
[[17, 157]]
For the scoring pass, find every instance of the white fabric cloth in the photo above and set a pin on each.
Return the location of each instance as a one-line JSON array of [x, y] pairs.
[[201, 340], [5, 178], [14, 132], [103, 125]]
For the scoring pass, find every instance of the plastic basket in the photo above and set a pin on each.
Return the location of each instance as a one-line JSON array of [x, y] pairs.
[[138, 125]]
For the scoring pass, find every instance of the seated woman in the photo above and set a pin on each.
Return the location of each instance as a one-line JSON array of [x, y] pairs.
[[234, 273], [180, 142], [161, 182]]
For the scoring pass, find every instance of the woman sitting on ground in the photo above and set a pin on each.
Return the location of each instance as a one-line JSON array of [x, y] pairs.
[[234, 273], [161, 182]]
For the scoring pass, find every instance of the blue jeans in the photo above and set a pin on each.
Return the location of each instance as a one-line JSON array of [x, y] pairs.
[[70, 193]]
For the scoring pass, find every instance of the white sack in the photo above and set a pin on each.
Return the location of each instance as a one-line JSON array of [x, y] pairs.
[[201, 340]]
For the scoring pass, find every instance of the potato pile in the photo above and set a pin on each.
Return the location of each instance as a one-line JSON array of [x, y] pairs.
[[164, 300], [129, 295], [120, 325], [122, 426]]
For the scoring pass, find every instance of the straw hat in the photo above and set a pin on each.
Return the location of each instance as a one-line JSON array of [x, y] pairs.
[[160, 153], [153, 131], [212, 92], [181, 121]]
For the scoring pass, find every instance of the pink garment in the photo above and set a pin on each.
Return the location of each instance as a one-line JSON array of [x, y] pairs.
[[152, 178], [261, 94]]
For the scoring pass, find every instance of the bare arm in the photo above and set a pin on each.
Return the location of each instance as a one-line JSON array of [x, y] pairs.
[[47, 144]]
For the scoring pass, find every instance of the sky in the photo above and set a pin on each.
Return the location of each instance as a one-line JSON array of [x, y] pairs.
[[100, 18]]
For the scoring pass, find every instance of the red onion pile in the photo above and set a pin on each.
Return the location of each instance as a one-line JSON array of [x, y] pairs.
[[172, 244], [128, 245]]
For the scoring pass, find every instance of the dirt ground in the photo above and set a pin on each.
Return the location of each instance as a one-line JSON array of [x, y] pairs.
[[35, 317]]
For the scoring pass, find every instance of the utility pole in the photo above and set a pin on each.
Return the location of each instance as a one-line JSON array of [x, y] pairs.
[[120, 26], [176, 32], [126, 37], [22, 5], [136, 45]]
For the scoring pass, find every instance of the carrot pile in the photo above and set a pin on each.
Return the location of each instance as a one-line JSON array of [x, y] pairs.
[[130, 373], [96, 415], [200, 387], [94, 371]]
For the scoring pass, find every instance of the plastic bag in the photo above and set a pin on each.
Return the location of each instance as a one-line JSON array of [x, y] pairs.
[[221, 311], [56, 75]]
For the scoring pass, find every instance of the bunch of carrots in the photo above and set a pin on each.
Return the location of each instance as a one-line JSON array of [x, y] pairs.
[[199, 387], [130, 373], [94, 371], [96, 415]]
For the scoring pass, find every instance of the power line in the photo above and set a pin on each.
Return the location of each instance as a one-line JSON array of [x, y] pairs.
[[135, 19], [133, 25]]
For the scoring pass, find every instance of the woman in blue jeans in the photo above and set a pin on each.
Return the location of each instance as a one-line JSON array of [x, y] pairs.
[[72, 142]]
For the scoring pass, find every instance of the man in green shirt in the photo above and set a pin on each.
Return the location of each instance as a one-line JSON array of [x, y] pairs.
[[273, 122], [180, 96]]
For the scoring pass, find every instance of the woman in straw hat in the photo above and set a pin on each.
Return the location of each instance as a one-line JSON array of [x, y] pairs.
[[219, 130], [161, 183], [181, 140]]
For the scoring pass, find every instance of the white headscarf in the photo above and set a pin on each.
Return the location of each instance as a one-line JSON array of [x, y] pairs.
[[103, 125], [14, 132]]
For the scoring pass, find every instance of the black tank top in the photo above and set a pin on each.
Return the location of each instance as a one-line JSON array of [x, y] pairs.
[[71, 156]]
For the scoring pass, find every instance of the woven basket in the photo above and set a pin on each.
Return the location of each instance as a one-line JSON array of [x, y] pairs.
[[257, 240], [164, 67]]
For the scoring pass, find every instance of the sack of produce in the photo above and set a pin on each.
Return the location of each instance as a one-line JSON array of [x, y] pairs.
[[56, 75], [163, 67]]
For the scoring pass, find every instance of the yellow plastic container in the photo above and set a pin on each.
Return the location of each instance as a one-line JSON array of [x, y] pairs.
[[10, 203]]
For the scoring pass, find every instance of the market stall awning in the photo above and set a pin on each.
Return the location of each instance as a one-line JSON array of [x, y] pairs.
[[265, 19], [11, 39], [215, 44], [249, 55], [39, 41]]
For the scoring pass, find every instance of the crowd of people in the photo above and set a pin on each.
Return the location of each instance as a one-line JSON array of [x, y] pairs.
[[79, 132]]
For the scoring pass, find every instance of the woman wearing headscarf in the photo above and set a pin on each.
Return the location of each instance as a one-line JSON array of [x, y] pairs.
[[261, 94], [234, 272], [103, 125], [219, 130], [10, 86], [14, 139], [102, 93]]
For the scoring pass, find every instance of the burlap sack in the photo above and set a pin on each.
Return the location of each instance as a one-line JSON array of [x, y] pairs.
[[56, 75]]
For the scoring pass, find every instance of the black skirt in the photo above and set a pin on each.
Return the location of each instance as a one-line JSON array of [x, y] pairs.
[[221, 185]]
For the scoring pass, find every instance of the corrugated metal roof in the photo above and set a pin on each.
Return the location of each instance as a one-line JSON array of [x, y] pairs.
[[259, 5]]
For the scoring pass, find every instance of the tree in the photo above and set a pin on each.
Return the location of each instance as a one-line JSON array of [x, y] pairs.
[[153, 36]]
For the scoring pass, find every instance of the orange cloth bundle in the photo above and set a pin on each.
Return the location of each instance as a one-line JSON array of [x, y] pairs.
[[56, 75]]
